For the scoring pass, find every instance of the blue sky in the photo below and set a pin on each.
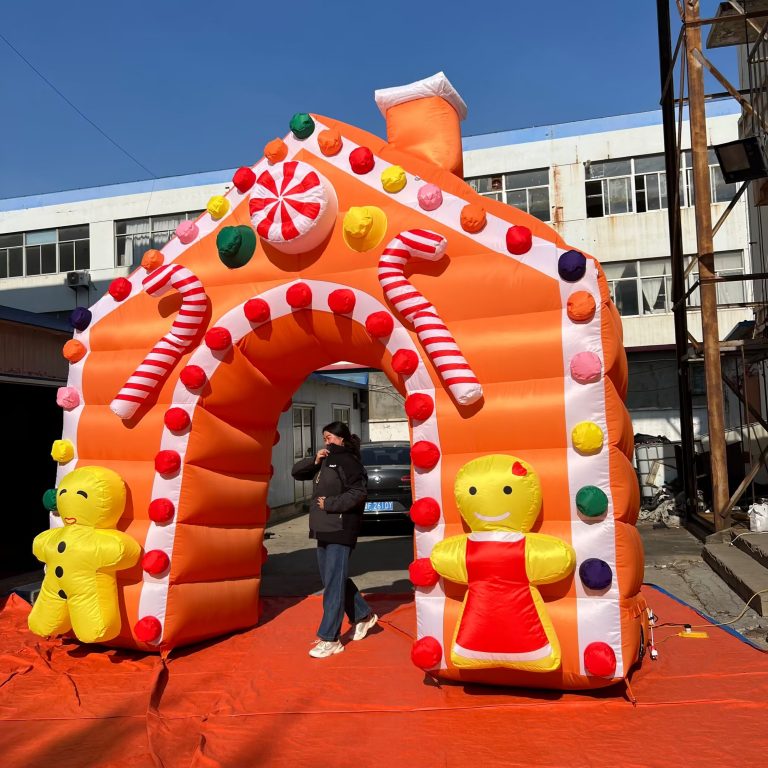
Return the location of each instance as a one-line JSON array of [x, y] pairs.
[[187, 86]]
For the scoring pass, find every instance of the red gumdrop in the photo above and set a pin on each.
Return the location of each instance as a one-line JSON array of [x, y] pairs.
[[256, 310], [379, 324], [167, 462], [244, 179], [161, 510], [405, 361], [519, 240], [426, 653], [120, 288], [299, 295], [192, 376], [425, 454], [148, 629], [218, 338], [422, 574], [425, 512], [341, 301], [419, 406], [361, 160], [264, 554], [600, 660], [155, 561], [176, 419]]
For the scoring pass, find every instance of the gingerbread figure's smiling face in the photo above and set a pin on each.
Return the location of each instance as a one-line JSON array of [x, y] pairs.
[[498, 493], [91, 496]]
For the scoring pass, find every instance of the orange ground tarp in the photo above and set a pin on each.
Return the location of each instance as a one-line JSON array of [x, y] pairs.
[[256, 698]]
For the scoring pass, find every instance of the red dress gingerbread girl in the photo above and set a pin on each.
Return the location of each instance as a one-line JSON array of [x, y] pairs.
[[503, 621]]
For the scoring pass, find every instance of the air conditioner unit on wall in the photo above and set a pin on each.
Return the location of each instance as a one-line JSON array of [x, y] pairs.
[[77, 279]]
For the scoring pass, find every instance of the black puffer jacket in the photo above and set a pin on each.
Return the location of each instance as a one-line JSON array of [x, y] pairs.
[[342, 479]]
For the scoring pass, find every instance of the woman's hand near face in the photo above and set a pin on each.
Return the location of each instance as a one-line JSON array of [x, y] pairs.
[[320, 455]]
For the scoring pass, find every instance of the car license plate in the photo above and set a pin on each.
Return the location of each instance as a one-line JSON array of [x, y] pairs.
[[379, 506]]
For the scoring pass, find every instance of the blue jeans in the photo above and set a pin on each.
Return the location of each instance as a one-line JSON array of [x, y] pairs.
[[340, 595]]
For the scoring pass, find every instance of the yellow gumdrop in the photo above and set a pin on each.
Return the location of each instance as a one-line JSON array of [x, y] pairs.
[[364, 227], [62, 451], [217, 206], [587, 437], [393, 179]]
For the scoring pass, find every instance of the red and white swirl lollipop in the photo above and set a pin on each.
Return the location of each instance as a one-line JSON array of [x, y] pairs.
[[293, 207]]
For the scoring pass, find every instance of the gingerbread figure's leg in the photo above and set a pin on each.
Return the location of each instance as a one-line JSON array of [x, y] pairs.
[[50, 614], [95, 615]]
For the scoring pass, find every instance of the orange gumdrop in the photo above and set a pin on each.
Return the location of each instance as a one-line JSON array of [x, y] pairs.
[[329, 142], [152, 259], [473, 218], [74, 350], [581, 307], [276, 151]]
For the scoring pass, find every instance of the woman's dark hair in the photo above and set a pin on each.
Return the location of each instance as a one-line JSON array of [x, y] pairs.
[[340, 429]]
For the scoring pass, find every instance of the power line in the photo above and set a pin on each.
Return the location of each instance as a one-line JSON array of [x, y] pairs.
[[79, 112]]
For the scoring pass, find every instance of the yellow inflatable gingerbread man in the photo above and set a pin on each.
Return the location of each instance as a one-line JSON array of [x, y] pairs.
[[503, 621], [79, 591]]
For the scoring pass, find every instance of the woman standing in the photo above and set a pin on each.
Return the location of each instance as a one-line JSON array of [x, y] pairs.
[[335, 519]]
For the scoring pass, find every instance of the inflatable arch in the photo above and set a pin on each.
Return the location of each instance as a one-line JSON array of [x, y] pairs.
[[337, 245]]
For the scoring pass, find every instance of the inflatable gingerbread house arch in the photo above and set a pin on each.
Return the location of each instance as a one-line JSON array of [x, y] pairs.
[[337, 245]]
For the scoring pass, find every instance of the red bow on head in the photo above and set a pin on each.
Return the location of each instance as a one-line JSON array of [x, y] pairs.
[[519, 469]]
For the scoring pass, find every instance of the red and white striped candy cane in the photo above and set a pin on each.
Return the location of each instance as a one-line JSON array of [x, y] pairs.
[[433, 334], [167, 351]]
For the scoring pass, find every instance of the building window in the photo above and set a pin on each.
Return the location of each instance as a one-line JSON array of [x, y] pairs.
[[303, 431], [719, 190], [526, 190], [639, 184], [726, 263], [45, 252], [133, 237], [644, 287], [341, 413]]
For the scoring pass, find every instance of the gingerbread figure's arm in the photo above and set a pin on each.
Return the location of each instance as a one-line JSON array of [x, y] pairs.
[[39, 542], [547, 558], [449, 559], [115, 550]]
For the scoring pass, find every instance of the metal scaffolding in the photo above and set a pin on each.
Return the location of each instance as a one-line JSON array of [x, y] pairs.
[[729, 364]]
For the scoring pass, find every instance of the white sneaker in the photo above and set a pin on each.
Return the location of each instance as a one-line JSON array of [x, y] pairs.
[[324, 648], [362, 627]]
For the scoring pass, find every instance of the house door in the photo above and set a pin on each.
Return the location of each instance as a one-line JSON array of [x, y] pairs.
[[303, 446]]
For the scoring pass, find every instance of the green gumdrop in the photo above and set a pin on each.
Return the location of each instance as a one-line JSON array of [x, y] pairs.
[[591, 501], [236, 245], [49, 499], [302, 125]]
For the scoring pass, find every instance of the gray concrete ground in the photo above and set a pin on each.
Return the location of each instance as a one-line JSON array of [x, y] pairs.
[[380, 564], [673, 561]]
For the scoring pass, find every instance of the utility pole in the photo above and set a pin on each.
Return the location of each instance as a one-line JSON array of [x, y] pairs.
[[706, 256], [688, 469]]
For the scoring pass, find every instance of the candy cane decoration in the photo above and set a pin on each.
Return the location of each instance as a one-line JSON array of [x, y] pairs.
[[433, 334], [167, 351]]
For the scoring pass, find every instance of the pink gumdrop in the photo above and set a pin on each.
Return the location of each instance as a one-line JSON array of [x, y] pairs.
[[430, 197], [67, 398], [586, 367], [187, 231]]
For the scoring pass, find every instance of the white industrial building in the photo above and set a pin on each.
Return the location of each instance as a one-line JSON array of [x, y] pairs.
[[600, 183], [61, 250]]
